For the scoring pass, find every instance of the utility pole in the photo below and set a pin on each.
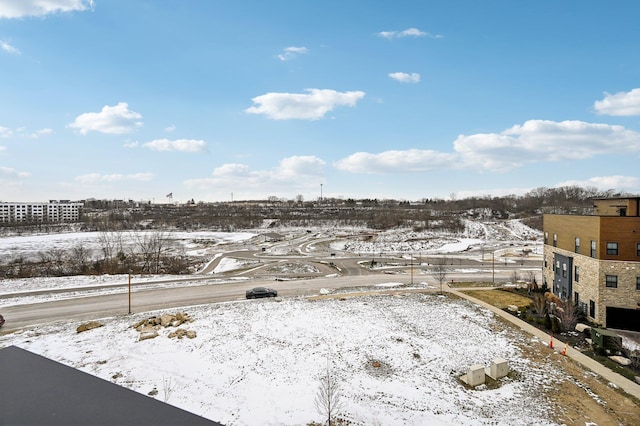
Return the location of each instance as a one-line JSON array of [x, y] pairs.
[[411, 268], [493, 266]]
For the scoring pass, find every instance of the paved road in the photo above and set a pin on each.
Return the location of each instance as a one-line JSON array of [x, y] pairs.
[[335, 270], [142, 300]]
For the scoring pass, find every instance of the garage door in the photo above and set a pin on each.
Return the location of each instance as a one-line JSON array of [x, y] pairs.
[[623, 319]]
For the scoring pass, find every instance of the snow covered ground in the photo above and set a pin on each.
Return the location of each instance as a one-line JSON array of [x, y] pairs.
[[397, 358], [193, 243]]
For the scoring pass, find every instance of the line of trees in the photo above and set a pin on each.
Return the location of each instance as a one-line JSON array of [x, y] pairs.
[[117, 253]]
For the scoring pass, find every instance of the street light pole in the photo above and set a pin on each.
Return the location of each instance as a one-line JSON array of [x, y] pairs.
[[493, 267], [411, 268], [129, 292]]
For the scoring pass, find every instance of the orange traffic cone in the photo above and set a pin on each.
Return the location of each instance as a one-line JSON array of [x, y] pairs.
[[551, 342], [564, 351]]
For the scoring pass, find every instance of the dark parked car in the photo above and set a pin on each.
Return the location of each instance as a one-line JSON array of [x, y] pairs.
[[1, 320], [254, 293]]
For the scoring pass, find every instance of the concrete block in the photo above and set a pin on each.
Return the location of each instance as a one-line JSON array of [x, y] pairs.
[[580, 328], [621, 360], [475, 376], [498, 369]]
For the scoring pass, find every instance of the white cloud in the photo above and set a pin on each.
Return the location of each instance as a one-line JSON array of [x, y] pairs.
[[291, 52], [404, 77], [534, 141], [180, 145], [131, 144], [5, 132], [413, 160], [8, 48], [170, 128], [310, 106], [43, 132], [13, 173], [114, 120], [96, 178], [620, 104], [603, 183], [300, 166], [543, 140], [21, 8], [409, 32], [3, 148], [292, 173]]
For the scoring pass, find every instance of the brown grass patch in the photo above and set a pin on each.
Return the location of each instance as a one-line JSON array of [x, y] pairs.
[[498, 298]]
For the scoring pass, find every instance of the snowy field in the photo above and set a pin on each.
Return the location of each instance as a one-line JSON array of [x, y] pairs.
[[190, 243], [397, 358]]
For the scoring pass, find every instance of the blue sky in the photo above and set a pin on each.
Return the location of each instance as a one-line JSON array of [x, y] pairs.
[[221, 100]]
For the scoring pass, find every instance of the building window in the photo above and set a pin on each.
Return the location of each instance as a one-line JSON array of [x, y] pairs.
[[612, 249], [557, 267], [592, 309], [576, 274], [637, 283], [555, 240], [564, 270], [577, 245], [576, 299], [593, 248], [611, 281], [546, 238], [638, 249], [546, 264]]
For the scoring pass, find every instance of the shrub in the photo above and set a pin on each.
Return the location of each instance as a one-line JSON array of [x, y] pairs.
[[547, 321]]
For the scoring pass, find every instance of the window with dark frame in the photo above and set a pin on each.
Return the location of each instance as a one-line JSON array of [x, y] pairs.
[[638, 249], [576, 273], [555, 240], [593, 248], [577, 250], [611, 281], [637, 283], [612, 248], [564, 270], [592, 309]]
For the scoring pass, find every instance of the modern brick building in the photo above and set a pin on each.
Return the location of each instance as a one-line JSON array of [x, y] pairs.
[[53, 211], [594, 260]]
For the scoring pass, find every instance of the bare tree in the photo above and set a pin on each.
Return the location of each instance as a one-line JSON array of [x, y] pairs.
[[328, 399], [515, 277], [439, 271], [111, 246], [59, 260], [80, 258], [532, 282], [539, 304], [568, 315], [168, 387]]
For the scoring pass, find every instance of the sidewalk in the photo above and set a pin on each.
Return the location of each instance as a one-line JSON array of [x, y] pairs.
[[622, 382]]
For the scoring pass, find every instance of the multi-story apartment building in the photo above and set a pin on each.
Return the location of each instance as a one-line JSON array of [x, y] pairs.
[[594, 260], [53, 211]]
